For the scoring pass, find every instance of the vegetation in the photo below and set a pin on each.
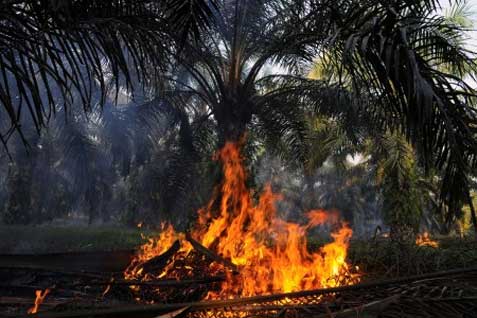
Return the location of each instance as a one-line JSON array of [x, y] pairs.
[[378, 258], [383, 258], [114, 109], [50, 239]]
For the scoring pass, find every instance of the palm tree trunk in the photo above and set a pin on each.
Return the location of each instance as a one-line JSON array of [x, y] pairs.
[[472, 211], [231, 131], [232, 119]]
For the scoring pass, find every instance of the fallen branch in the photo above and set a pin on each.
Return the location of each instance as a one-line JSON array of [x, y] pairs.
[[30, 290], [176, 313], [28, 301], [375, 307], [151, 310], [157, 283], [159, 262], [211, 254]]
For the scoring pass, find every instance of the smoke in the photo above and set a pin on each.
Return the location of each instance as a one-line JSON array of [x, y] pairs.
[[350, 191], [83, 167]]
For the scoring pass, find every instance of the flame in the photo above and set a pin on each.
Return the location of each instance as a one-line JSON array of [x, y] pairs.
[[425, 240], [40, 297], [154, 247], [271, 254]]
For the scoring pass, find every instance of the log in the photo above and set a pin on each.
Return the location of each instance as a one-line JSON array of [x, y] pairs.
[[159, 262], [211, 254]]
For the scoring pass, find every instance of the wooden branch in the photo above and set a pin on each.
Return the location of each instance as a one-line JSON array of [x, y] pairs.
[[211, 254], [176, 313], [151, 310], [137, 311], [28, 301], [375, 308], [156, 283], [159, 262], [31, 290]]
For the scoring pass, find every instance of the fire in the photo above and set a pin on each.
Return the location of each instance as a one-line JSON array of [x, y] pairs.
[[40, 297], [425, 240], [154, 247], [271, 254]]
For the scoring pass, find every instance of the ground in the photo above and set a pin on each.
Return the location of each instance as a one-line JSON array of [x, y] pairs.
[[47, 239], [376, 257], [387, 289]]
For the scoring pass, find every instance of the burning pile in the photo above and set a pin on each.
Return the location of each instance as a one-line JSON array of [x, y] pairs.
[[257, 252]]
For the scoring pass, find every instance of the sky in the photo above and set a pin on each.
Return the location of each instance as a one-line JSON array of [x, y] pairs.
[[473, 35], [472, 41]]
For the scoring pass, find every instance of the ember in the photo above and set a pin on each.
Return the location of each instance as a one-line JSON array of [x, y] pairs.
[[425, 240], [270, 254], [40, 297]]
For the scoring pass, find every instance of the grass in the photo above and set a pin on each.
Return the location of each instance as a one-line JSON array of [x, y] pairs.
[[383, 258], [52, 239], [380, 258]]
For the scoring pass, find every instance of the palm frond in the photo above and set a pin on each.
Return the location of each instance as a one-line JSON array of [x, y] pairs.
[[393, 52], [59, 52], [460, 13]]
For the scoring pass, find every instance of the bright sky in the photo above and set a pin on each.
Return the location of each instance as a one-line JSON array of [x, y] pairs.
[[472, 41], [473, 35], [473, 4]]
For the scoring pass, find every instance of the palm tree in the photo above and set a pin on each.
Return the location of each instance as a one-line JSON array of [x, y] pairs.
[[53, 52], [225, 82], [432, 107], [413, 74], [460, 13], [393, 74]]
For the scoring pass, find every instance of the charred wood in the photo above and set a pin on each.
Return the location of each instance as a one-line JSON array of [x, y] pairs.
[[373, 290], [157, 283], [211, 254], [159, 262]]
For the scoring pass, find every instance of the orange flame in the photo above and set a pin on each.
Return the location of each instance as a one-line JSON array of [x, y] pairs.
[[271, 254], [40, 297], [154, 247], [425, 240]]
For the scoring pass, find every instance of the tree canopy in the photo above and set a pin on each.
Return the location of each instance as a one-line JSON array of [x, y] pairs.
[[224, 68]]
